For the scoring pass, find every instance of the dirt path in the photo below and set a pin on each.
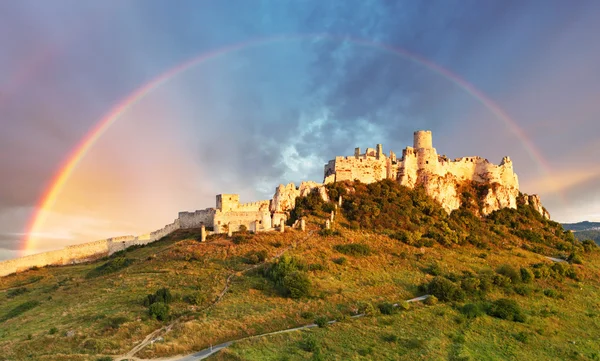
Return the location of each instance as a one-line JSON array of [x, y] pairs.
[[202, 354], [155, 334]]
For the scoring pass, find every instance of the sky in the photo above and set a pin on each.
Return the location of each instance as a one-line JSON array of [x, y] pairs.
[[277, 89]]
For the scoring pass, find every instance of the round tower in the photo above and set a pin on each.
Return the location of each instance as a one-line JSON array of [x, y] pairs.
[[422, 139]]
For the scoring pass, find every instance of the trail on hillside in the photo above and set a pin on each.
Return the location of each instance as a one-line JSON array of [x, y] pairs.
[[209, 351], [155, 334]]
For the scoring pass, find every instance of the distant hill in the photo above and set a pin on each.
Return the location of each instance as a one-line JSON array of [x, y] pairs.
[[581, 226]]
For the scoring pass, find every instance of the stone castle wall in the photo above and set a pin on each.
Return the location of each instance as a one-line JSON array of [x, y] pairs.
[[421, 165]]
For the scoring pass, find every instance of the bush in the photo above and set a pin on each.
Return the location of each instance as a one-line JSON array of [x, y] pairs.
[[162, 295], [431, 300], [296, 285], [307, 315], [159, 310], [115, 322], [574, 258], [435, 269], [510, 272], [507, 310], [551, 293], [239, 239], [288, 275], [353, 249], [367, 309], [526, 275], [445, 290], [20, 309], [16, 292], [340, 260], [522, 337], [386, 308], [309, 343], [471, 310], [53, 331], [589, 245], [322, 321], [255, 257], [390, 337]]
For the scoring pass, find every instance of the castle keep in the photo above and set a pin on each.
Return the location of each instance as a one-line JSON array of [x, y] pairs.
[[420, 165]]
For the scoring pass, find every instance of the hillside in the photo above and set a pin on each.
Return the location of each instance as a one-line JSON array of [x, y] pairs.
[[498, 295]]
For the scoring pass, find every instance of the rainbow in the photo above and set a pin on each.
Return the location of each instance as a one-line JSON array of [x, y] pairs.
[[68, 166]]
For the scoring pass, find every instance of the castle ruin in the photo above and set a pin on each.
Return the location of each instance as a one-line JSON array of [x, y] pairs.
[[420, 165]]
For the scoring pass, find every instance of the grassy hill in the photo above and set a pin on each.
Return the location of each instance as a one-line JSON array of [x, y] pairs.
[[498, 295]]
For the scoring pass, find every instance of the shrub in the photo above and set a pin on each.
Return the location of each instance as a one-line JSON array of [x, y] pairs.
[[510, 272], [551, 293], [353, 249], [307, 315], [574, 258], [501, 281], [445, 290], [367, 308], [309, 343], [471, 285], [16, 292], [329, 232], [255, 257], [431, 300], [112, 266], [296, 285], [53, 330], [507, 310], [521, 337], [159, 310], [405, 306], [162, 295], [435, 269], [243, 229], [526, 275], [115, 322], [340, 260], [316, 267], [589, 245], [322, 321], [239, 239], [288, 275], [386, 308], [523, 290], [390, 337], [471, 310], [20, 309]]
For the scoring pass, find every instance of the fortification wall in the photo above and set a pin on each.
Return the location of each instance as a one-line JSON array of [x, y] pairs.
[[366, 169], [253, 206], [71, 254], [235, 219], [197, 218]]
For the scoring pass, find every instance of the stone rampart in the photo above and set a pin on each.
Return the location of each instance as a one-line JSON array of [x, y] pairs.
[[197, 218]]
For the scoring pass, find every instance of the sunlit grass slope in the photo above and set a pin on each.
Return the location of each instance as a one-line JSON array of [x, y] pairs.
[[388, 244]]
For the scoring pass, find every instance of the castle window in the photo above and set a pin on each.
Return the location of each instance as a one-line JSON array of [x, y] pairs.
[[426, 162]]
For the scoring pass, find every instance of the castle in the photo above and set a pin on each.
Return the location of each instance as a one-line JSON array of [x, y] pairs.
[[420, 165]]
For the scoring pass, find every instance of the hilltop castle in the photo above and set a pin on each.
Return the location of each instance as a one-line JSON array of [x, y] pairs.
[[440, 176], [420, 165]]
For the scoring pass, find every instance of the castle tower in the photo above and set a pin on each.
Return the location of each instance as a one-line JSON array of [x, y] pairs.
[[427, 158], [422, 139], [379, 151], [227, 202]]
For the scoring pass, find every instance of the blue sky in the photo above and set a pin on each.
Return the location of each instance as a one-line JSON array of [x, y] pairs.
[[276, 112]]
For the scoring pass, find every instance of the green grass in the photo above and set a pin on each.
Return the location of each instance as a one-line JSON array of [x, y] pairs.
[[105, 313]]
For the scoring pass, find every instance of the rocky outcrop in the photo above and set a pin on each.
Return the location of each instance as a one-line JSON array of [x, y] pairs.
[[535, 202], [445, 190], [284, 199]]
